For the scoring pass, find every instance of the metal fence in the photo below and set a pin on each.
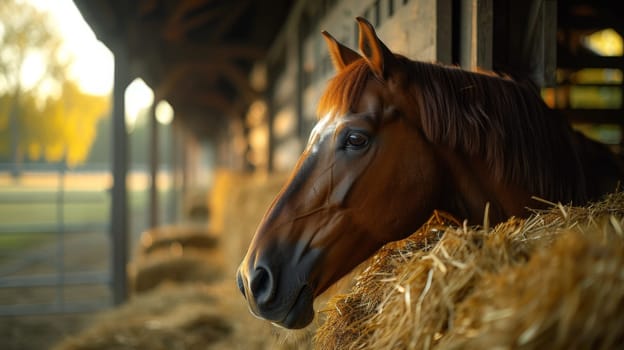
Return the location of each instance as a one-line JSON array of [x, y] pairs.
[[64, 266]]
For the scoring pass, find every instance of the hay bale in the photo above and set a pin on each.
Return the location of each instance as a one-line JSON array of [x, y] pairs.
[[242, 200], [225, 182], [169, 318], [175, 237], [177, 253], [195, 206], [552, 281], [180, 269], [185, 317]]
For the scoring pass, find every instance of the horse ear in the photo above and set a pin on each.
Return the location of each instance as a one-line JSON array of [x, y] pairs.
[[378, 56], [340, 55]]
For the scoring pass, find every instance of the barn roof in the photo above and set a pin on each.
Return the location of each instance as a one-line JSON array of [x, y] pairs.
[[196, 54]]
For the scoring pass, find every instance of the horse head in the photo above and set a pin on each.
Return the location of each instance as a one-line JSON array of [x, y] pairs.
[[366, 177]]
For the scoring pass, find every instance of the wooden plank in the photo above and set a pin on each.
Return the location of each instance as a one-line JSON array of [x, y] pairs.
[[587, 61], [595, 116], [525, 39], [549, 42], [589, 23], [154, 219], [444, 31], [476, 18], [483, 38]]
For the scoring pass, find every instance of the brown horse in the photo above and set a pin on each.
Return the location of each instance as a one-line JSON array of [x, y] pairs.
[[398, 139]]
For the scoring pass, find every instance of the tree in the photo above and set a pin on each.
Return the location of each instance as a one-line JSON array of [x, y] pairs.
[[73, 118], [50, 119]]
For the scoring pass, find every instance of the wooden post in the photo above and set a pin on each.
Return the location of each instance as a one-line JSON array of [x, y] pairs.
[[533, 39], [549, 21], [119, 208], [154, 218], [270, 113], [476, 18], [444, 31], [174, 170]]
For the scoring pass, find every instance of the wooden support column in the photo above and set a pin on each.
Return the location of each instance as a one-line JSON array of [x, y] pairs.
[[444, 31], [270, 113], [154, 149], [174, 170], [119, 208], [476, 18], [532, 39]]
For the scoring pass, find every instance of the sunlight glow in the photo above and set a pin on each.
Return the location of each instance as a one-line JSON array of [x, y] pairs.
[[164, 112], [32, 71], [92, 63], [138, 97]]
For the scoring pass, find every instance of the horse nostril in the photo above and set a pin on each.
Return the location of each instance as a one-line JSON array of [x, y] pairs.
[[261, 285], [240, 283]]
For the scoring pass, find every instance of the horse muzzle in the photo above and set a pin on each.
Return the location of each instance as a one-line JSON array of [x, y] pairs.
[[277, 287]]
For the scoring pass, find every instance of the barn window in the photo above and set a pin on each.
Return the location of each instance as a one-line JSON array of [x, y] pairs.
[[589, 87], [606, 42]]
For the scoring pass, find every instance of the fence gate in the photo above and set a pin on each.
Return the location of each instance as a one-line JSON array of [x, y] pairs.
[[55, 249]]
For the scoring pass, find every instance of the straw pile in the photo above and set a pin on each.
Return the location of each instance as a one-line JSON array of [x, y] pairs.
[[168, 318], [553, 281], [179, 317], [176, 253], [242, 201]]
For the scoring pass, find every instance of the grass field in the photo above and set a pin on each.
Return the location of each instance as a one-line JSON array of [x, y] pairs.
[[30, 213], [46, 207], [32, 217]]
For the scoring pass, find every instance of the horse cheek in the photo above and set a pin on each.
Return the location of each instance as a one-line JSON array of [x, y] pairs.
[[419, 186]]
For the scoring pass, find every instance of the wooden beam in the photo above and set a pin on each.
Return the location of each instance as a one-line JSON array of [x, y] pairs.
[[179, 24], [587, 61], [181, 53], [147, 7], [229, 18], [476, 34], [183, 7], [213, 101], [590, 23], [594, 116], [211, 69]]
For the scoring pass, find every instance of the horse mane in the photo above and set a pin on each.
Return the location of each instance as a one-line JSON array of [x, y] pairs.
[[485, 115], [344, 89]]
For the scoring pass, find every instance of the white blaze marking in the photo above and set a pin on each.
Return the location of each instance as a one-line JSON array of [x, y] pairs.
[[321, 130]]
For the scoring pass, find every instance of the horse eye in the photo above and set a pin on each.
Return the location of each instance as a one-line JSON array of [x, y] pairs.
[[356, 140]]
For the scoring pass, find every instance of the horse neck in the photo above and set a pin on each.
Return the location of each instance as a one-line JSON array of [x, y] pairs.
[[471, 186], [505, 124]]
